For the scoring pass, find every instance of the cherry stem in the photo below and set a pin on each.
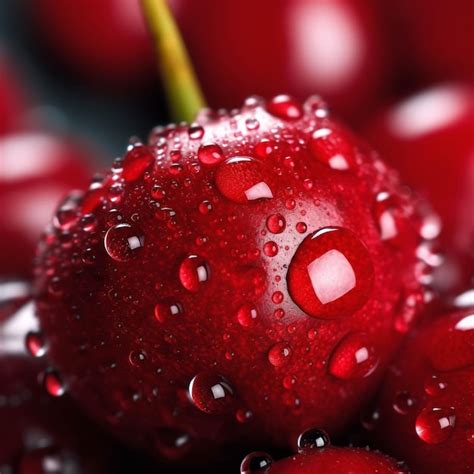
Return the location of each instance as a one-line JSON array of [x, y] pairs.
[[183, 91]]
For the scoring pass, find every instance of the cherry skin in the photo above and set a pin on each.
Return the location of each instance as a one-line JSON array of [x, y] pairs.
[[302, 47], [12, 101], [315, 454], [428, 137], [234, 279], [40, 433], [36, 171], [433, 38], [105, 42], [428, 398]]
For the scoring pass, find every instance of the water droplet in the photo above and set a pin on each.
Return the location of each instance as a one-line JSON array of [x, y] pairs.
[[264, 148], [332, 149], [164, 311], [404, 402], [270, 249], [136, 162], [137, 358], [247, 315], [252, 124], [68, 213], [312, 439], [434, 425], [276, 223], [35, 343], [434, 386], [193, 272], [195, 132], [241, 179], [354, 357], [285, 107], [53, 384], [157, 192], [279, 354], [205, 207], [115, 192], [316, 106], [301, 227], [123, 241], [211, 393], [210, 154], [256, 463], [243, 416], [289, 382], [277, 297], [330, 274]]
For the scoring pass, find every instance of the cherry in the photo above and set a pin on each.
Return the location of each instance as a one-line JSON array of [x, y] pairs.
[[12, 101], [238, 287], [428, 137], [425, 410], [302, 47], [105, 42], [317, 455], [39, 433], [36, 170]]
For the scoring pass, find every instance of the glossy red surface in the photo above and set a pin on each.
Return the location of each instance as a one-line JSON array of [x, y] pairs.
[[36, 171], [164, 291]]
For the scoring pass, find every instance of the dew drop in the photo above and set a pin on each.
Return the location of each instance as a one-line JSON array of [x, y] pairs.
[[354, 357], [210, 154], [53, 384], [301, 227], [312, 439], [256, 463], [136, 162], [435, 425], [35, 343], [247, 315], [241, 179], [279, 354], [193, 272], [276, 223], [330, 274], [211, 393], [285, 107], [123, 241], [404, 402]]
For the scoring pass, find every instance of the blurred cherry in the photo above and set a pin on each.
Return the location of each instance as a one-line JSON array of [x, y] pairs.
[[429, 137], [12, 101], [36, 171], [333, 48], [103, 41]]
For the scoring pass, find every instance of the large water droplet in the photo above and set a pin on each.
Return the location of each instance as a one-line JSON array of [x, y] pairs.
[[434, 425], [285, 107], [354, 357], [256, 463], [211, 393], [123, 241], [312, 439], [193, 272], [330, 274], [242, 179]]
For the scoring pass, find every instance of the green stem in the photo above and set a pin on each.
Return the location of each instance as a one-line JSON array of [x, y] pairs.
[[184, 94]]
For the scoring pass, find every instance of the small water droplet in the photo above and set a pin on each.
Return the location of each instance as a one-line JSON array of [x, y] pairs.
[[205, 207], [210, 154], [301, 227], [332, 149], [285, 107], [276, 223], [247, 315], [35, 343], [256, 463], [354, 357], [279, 354], [123, 241], [434, 386], [164, 311], [252, 124], [137, 358], [270, 249], [243, 416], [404, 402], [277, 297], [330, 274], [193, 272], [195, 132], [435, 425], [312, 439], [136, 162], [211, 393], [53, 384], [264, 148]]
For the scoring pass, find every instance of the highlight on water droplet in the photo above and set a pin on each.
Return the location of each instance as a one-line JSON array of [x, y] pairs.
[[331, 273], [256, 463], [123, 241], [435, 425], [312, 439], [211, 393]]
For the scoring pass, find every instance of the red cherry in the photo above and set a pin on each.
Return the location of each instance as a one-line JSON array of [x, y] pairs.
[[36, 170], [317, 455], [250, 295], [105, 42], [305, 46], [435, 373], [39, 434], [428, 137], [12, 102]]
